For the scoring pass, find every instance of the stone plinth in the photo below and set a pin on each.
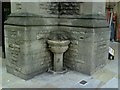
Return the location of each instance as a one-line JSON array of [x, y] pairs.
[[27, 54], [58, 48]]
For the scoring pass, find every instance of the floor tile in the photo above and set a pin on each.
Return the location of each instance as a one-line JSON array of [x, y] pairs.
[[113, 83]]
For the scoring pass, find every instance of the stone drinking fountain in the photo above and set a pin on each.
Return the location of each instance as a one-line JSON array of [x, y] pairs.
[[58, 44], [56, 36]]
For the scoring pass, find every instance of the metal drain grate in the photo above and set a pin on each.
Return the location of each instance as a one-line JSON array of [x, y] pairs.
[[83, 82]]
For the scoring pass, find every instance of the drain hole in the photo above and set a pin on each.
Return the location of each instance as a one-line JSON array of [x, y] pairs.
[[83, 82], [81, 38]]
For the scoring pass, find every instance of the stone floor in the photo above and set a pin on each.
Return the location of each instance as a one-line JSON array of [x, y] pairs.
[[106, 77]]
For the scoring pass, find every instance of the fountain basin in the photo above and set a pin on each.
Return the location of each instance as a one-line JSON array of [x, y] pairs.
[[57, 46]]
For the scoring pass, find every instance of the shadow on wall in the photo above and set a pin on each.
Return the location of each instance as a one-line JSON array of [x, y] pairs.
[[6, 10], [60, 35]]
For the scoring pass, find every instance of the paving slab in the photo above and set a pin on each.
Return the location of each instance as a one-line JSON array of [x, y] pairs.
[[104, 75], [113, 83], [112, 66]]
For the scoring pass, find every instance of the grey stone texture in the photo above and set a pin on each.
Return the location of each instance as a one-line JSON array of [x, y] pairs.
[[27, 50], [53, 7], [58, 47]]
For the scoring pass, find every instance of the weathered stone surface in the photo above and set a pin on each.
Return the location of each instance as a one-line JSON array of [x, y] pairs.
[[58, 44], [39, 20], [27, 34], [27, 53]]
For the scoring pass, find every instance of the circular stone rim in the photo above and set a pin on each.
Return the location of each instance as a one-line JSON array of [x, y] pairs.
[[58, 42]]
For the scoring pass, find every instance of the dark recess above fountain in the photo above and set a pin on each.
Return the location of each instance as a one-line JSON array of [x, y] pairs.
[[60, 35]]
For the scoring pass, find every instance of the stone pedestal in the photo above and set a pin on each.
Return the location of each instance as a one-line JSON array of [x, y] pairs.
[[58, 62], [58, 48]]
